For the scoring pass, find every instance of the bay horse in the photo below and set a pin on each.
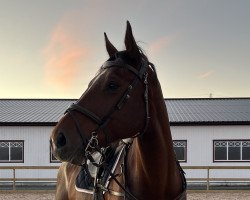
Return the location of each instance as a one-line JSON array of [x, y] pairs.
[[115, 141]]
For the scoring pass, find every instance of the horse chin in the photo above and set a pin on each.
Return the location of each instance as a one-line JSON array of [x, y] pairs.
[[76, 161], [76, 158]]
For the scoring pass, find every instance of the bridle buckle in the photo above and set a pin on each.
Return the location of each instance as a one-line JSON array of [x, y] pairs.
[[92, 144]]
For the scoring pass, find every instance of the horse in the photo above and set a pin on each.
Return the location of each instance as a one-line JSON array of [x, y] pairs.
[[115, 140]]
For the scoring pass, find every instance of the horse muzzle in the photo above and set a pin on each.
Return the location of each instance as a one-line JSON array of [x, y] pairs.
[[65, 152]]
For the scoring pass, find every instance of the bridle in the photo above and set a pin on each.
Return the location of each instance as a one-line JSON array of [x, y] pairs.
[[141, 75], [92, 144]]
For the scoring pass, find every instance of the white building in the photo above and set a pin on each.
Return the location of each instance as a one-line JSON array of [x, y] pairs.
[[212, 132], [206, 132], [25, 128]]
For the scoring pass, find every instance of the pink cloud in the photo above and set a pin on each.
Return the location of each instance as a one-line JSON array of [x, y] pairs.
[[205, 75], [161, 43], [63, 58]]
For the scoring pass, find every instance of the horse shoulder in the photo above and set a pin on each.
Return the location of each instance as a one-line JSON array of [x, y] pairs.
[[61, 187], [66, 183], [65, 189]]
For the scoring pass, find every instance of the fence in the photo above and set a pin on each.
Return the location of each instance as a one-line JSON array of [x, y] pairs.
[[208, 169], [15, 168]]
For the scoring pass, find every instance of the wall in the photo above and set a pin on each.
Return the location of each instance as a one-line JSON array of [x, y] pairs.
[[36, 150], [200, 148]]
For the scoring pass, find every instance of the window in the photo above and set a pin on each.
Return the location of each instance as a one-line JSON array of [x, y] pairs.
[[11, 151], [232, 150], [52, 157], [180, 148]]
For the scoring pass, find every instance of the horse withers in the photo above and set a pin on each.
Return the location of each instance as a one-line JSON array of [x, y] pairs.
[[115, 141]]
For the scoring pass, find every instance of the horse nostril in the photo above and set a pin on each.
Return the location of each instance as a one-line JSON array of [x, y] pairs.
[[61, 140]]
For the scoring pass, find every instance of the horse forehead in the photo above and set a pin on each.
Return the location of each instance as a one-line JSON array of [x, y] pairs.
[[115, 72], [97, 78]]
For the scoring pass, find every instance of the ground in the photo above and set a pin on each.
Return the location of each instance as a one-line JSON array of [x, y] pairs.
[[191, 196]]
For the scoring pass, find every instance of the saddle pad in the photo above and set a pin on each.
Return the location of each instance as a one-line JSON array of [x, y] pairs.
[[85, 180], [86, 177]]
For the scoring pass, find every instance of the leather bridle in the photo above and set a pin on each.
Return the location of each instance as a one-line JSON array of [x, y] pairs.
[[141, 75], [92, 144]]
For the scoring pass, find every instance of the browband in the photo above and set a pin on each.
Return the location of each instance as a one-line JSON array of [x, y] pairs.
[[118, 62]]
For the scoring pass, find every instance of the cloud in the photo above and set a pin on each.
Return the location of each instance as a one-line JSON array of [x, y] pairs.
[[63, 56], [205, 75], [161, 43]]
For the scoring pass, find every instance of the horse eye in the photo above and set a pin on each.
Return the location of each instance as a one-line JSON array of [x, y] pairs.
[[112, 86]]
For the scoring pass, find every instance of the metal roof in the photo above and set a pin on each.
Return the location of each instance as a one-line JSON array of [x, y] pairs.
[[32, 111], [209, 111], [181, 111]]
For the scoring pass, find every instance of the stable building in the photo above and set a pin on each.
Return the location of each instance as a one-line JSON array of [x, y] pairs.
[[212, 132], [206, 132]]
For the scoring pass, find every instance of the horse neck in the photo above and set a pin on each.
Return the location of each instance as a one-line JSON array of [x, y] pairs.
[[152, 156]]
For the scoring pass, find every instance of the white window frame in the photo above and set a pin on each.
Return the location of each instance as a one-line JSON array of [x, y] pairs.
[[9, 144], [181, 143], [227, 142]]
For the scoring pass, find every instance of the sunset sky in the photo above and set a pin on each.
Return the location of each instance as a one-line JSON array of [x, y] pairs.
[[51, 49]]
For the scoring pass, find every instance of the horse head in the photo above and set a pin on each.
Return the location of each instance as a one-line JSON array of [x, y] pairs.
[[113, 107]]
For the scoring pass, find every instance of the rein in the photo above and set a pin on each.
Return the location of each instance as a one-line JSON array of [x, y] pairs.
[[92, 144]]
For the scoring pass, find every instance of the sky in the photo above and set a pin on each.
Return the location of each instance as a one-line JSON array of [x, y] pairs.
[[52, 49]]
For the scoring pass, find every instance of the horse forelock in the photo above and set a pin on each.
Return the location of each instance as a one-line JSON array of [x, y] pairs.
[[125, 56]]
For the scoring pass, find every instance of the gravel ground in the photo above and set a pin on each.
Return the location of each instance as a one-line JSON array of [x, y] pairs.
[[220, 196], [191, 196], [26, 196]]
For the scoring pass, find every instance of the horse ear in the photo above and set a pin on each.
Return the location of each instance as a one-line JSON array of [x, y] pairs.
[[130, 43], [109, 46]]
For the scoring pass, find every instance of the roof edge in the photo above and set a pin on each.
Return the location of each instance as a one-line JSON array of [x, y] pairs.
[[74, 99], [171, 123], [206, 123], [28, 123], [214, 98], [34, 99]]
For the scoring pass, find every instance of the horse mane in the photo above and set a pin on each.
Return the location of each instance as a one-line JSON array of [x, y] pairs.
[[143, 55]]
